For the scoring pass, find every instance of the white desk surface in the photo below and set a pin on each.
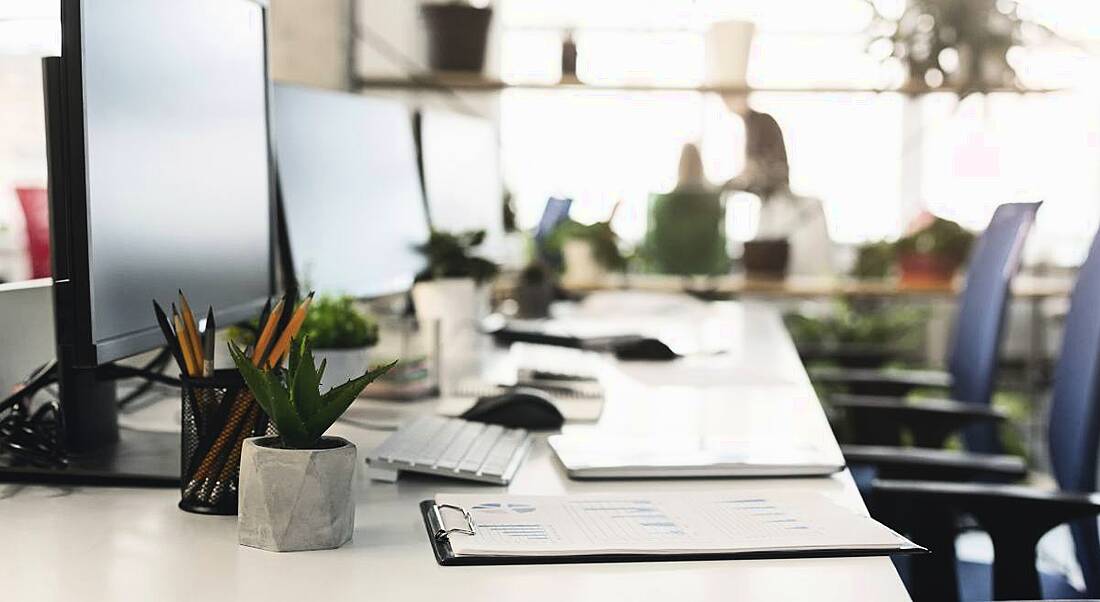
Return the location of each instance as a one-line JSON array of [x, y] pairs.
[[123, 544]]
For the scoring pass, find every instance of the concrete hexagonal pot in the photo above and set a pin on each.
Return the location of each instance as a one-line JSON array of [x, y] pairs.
[[296, 499]]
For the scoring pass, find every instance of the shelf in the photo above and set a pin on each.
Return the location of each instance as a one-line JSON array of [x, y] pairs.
[[475, 83]]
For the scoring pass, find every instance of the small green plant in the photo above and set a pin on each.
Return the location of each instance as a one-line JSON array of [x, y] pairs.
[[604, 241], [848, 324], [450, 255], [335, 323], [874, 260], [292, 397], [942, 238]]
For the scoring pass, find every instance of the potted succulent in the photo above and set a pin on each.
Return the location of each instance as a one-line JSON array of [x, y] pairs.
[[295, 488], [342, 336], [457, 35], [934, 252], [961, 43]]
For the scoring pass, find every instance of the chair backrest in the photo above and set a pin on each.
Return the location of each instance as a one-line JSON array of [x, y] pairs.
[[976, 339], [1074, 430], [35, 205]]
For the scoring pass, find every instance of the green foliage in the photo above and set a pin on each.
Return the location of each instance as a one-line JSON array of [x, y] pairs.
[[874, 260], [450, 255], [848, 325], [942, 238], [335, 323], [978, 32], [604, 241], [292, 397]]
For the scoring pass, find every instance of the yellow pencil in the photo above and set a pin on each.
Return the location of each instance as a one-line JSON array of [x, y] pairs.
[[268, 332], [192, 330], [283, 342], [185, 346]]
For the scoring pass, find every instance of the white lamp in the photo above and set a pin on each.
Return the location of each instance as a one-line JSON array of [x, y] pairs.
[[729, 44]]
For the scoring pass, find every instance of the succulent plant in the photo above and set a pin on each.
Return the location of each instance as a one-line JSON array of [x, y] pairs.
[[292, 397]]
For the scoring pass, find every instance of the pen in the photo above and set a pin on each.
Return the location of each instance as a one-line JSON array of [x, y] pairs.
[[208, 333]]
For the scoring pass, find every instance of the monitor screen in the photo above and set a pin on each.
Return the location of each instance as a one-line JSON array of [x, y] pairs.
[[350, 191], [176, 175], [462, 181]]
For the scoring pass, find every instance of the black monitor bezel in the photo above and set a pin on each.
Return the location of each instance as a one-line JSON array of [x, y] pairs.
[[66, 139]]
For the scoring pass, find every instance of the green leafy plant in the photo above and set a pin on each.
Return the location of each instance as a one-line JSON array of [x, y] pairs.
[[848, 325], [450, 255], [335, 323], [292, 397], [874, 260], [941, 238], [604, 241], [961, 42]]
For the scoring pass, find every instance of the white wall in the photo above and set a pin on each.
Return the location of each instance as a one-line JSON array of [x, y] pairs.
[[309, 42]]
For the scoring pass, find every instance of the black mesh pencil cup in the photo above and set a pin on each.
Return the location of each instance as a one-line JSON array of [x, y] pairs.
[[219, 413]]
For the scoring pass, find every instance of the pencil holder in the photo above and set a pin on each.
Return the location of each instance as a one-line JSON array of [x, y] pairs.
[[218, 414]]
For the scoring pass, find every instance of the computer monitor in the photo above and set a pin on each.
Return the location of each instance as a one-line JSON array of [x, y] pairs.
[[460, 163], [160, 179], [350, 191]]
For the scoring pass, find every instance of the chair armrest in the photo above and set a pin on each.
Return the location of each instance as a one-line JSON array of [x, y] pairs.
[[890, 382], [995, 506], [877, 420], [1015, 518], [934, 464]]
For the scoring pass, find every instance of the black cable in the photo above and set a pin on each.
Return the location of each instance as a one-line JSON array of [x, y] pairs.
[[35, 437]]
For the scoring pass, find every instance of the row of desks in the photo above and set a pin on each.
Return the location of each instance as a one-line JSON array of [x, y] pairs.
[[122, 544]]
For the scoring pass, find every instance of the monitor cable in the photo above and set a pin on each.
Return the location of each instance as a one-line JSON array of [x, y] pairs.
[[34, 435]]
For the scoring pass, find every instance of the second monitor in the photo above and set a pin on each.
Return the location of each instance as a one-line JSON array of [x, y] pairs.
[[350, 190]]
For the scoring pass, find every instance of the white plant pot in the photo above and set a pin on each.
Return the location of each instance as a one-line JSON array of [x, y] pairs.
[[455, 304], [581, 267], [295, 499], [342, 365]]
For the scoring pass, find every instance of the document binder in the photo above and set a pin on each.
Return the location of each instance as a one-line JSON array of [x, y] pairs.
[[446, 521]]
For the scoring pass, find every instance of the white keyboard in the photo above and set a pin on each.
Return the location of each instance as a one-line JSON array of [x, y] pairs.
[[451, 447]]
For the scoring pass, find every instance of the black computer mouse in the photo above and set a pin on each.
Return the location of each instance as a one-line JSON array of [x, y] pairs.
[[643, 349], [517, 408]]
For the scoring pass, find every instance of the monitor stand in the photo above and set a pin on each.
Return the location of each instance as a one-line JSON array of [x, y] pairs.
[[99, 452]]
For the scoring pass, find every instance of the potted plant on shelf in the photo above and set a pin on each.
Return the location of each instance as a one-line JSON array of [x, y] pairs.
[[934, 252], [295, 488], [961, 43], [457, 34], [342, 336]]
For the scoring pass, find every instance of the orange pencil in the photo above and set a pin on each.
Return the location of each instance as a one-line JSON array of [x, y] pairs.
[[268, 331], [192, 330], [283, 342], [185, 346]]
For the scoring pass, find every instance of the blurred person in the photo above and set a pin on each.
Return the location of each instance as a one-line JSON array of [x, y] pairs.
[[783, 215]]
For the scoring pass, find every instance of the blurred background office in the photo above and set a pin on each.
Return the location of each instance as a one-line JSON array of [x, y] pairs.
[[821, 141]]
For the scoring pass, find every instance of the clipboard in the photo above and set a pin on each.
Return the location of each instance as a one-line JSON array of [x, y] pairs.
[[439, 535]]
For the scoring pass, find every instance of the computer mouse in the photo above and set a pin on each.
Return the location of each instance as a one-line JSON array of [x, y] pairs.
[[644, 349], [517, 408]]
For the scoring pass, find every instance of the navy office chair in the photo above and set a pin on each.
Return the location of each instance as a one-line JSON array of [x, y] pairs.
[[877, 414], [1016, 517]]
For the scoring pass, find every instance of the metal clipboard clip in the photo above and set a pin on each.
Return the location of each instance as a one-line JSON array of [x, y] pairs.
[[440, 528]]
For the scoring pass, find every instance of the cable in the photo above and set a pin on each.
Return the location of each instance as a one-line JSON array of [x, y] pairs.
[[33, 438]]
